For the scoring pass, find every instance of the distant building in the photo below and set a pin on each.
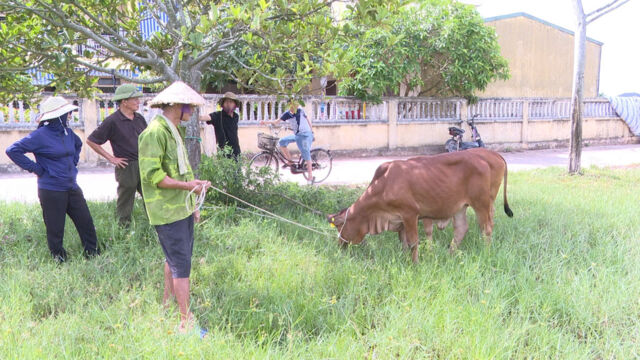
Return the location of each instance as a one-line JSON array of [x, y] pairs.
[[540, 56]]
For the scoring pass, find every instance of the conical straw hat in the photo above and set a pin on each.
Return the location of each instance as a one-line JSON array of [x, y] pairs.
[[177, 93]]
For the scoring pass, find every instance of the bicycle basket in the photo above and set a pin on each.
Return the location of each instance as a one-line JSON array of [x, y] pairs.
[[267, 142]]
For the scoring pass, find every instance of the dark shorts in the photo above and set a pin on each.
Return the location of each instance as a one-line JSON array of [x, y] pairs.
[[176, 240]]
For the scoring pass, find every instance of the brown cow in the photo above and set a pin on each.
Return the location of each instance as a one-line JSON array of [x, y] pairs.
[[437, 187]]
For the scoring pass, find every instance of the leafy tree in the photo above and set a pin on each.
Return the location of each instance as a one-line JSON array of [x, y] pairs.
[[277, 44], [434, 48]]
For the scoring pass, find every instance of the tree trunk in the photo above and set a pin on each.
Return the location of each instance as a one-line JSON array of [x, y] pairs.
[[575, 144], [193, 141], [193, 138]]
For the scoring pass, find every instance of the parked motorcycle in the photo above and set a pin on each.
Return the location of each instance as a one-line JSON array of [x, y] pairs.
[[456, 143]]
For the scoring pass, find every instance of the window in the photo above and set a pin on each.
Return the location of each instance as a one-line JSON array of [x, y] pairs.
[[332, 88], [108, 81]]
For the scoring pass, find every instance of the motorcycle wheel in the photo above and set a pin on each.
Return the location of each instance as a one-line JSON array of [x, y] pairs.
[[451, 145]]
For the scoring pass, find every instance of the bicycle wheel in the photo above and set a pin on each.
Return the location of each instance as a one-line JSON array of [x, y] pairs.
[[264, 162], [322, 162]]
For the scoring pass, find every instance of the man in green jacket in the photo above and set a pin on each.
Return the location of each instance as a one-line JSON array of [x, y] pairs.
[[167, 180]]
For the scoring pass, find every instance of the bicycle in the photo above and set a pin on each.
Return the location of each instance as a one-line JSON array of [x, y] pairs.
[[271, 156]]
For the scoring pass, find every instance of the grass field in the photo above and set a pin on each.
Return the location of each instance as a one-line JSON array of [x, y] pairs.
[[561, 280]]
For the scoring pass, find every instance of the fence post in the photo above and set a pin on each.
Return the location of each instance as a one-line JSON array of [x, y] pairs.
[[392, 124], [525, 124], [464, 114], [308, 109], [464, 110], [90, 110], [207, 134]]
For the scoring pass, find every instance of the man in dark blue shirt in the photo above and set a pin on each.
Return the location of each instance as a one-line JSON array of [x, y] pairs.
[[302, 135]]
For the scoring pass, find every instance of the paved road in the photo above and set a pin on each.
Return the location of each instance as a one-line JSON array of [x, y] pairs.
[[100, 184]]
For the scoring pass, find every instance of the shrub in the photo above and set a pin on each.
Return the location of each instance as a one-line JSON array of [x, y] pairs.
[[265, 189]]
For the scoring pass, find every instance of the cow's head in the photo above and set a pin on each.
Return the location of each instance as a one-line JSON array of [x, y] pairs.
[[345, 223]]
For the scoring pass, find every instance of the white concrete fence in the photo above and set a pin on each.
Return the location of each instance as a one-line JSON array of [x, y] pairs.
[[345, 123], [331, 109]]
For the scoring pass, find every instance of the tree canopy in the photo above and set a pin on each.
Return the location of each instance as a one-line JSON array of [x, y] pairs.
[[262, 43], [245, 41], [434, 48], [430, 47]]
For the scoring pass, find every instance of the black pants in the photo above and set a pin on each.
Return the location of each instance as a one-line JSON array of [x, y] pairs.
[[56, 205]]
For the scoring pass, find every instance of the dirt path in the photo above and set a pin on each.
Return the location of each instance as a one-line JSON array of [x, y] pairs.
[[100, 184]]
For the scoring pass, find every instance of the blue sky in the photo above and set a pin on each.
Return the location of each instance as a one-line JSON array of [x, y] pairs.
[[618, 30]]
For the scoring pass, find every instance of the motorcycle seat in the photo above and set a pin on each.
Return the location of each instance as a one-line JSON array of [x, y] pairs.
[[455, 131]]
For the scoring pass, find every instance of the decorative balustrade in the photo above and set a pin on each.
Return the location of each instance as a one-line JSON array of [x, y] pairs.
[[546, 109], [333, 109], [21, 115], [255, 108], [417, 109], [598, 108], [496, 109], [323, 109], [105, 107], [340, 109]]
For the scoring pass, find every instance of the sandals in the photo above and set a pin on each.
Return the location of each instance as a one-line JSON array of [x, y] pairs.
[[201, 332], [196, 330]]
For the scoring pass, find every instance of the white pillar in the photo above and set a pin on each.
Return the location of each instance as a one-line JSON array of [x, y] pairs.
[[392, 116]]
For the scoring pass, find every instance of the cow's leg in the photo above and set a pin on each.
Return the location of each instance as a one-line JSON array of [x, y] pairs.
[[428, 229], [411, 229], [402, 236], [485, 219], [460, 227]]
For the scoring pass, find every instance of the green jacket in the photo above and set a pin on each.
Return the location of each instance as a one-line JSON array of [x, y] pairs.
[[158, 158]]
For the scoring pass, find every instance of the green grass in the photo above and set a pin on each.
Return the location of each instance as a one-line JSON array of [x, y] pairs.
[[561, 280]]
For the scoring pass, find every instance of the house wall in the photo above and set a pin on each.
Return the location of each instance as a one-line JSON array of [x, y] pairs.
[[540, 60]]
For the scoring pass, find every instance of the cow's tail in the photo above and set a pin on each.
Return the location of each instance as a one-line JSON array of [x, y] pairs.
[[507, 209]]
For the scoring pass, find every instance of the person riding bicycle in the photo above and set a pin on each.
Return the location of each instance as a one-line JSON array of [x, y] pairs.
[[302, 135]]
